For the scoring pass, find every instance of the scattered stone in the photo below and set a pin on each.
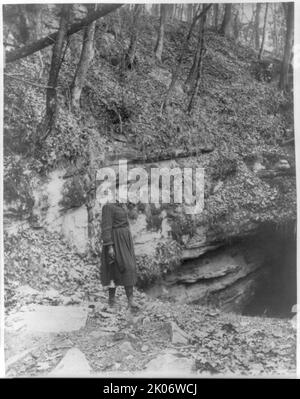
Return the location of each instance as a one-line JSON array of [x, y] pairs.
[[99, 334], [137, 319], [126, 347], [132, 336], [294, 322], [258, 166], [117, 366], [42, 366], [73, 300], [145, 348], [76, 299], [212, 313], [229, 328], [146, 321], [218, 186], [170, 365], [282, 164], [14, 359], [178, 336], [118, 336], [26, 290], [105, 315], [110, 329], [67, 301], [73, 364], [51, 294], [65, 344]]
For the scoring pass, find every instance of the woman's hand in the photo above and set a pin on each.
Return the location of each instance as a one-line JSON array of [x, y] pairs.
[[111, 252]]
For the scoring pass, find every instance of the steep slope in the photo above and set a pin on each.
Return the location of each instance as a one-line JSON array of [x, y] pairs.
[[235, 132]]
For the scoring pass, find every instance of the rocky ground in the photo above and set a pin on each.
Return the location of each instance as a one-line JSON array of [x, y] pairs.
[[161, 337], [59, 325]]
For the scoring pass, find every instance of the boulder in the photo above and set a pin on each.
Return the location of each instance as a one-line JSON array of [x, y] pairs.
[[294, 322], [73, 364], [145, 348], [294, 309], [51, 294], [26, 290], [178, 336]]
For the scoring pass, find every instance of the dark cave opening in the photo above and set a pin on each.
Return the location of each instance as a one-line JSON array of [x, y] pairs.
[[254, 276], [277, 292]]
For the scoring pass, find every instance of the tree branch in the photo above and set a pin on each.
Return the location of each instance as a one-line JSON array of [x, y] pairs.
[[50, 39], [28, 82]]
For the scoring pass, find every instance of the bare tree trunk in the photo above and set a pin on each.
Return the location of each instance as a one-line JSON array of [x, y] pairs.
[[288, 46], [155, 10], [57, 55], [38, 26], [194, 11], [134, 35], [264, 33], [87, 54], [256, 26], [180, 13], [275, 33], [193, 71], [170, 11], [250, 35], [189, 13], [24, 27], [216, 16], [160, 39], [236, 26], [199, 67], [226, 27], [183, 49], [176, 11]]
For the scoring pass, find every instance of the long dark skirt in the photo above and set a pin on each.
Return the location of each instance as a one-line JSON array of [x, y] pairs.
[[123, 270]]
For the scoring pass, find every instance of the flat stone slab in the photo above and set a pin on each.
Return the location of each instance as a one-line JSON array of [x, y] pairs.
[[73, 364], [48, 319]]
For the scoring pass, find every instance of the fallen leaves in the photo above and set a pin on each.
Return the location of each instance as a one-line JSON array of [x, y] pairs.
[[215, 342]]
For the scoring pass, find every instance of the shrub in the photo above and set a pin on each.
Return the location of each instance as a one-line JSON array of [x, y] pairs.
[[151, 269], [181, 226], [17, 188], [74, 194], [224, 167]]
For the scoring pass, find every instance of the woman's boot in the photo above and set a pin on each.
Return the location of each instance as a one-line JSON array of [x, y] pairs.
[[111, 297], [133, 307]]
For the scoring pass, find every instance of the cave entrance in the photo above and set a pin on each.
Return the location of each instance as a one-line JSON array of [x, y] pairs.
[[277, 292], [253, 276]]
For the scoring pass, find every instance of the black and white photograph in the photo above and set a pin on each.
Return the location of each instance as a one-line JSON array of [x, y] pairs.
[[149, 190]]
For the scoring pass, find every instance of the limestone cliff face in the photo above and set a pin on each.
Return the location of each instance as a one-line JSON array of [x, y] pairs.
[[210, 270]]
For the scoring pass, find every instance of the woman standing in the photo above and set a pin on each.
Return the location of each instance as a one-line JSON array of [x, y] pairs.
[[118, 264]]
